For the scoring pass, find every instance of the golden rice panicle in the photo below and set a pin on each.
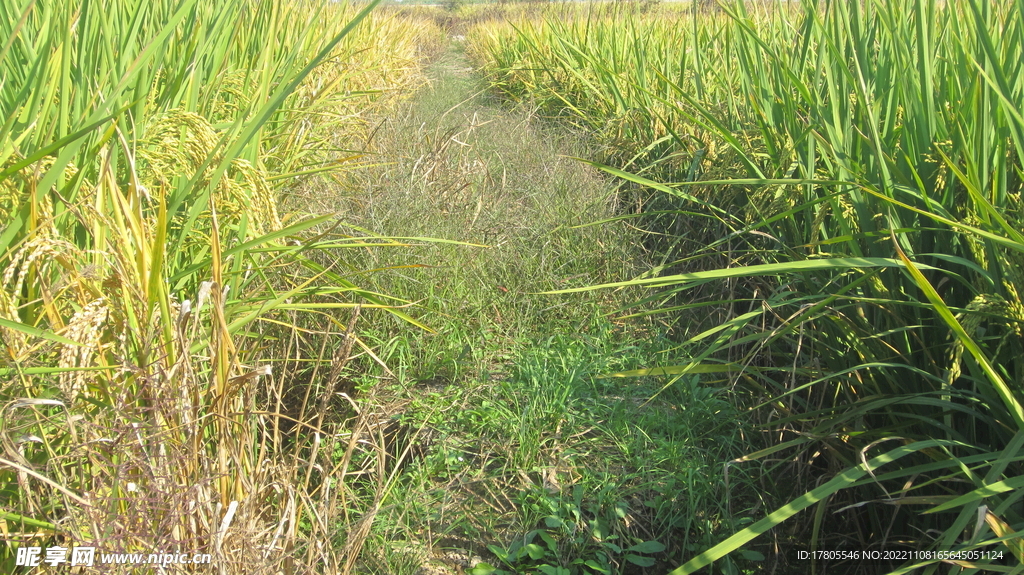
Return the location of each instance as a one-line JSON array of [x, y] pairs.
[[40, 254], [1013, 280], [820, 215], [179, 143], [980, 309], [13, 341], [39, 251], [249, 185], [16, 188], [176, 144], [10, 199], [86, 328], [234, 95]]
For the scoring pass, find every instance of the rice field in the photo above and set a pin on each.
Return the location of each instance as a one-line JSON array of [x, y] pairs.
[[848, 176], [152, 268], [205, 305]]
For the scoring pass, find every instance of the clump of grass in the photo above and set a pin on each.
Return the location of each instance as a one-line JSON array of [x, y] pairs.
[[578, 470]]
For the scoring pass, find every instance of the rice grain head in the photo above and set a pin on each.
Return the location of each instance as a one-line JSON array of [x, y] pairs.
[[86, 328]]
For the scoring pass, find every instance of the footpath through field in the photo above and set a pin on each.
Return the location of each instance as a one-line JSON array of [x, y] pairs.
[[498, 427]]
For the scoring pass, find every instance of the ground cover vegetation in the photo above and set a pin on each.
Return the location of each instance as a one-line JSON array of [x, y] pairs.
[[159, 271], [839, 189], [504, 449]]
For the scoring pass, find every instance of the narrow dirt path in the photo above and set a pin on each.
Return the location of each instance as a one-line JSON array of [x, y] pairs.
[[459, 164], [498, 411]]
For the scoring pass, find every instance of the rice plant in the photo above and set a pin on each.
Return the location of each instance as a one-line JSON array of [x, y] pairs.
[[149, 278], [851, 175]]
